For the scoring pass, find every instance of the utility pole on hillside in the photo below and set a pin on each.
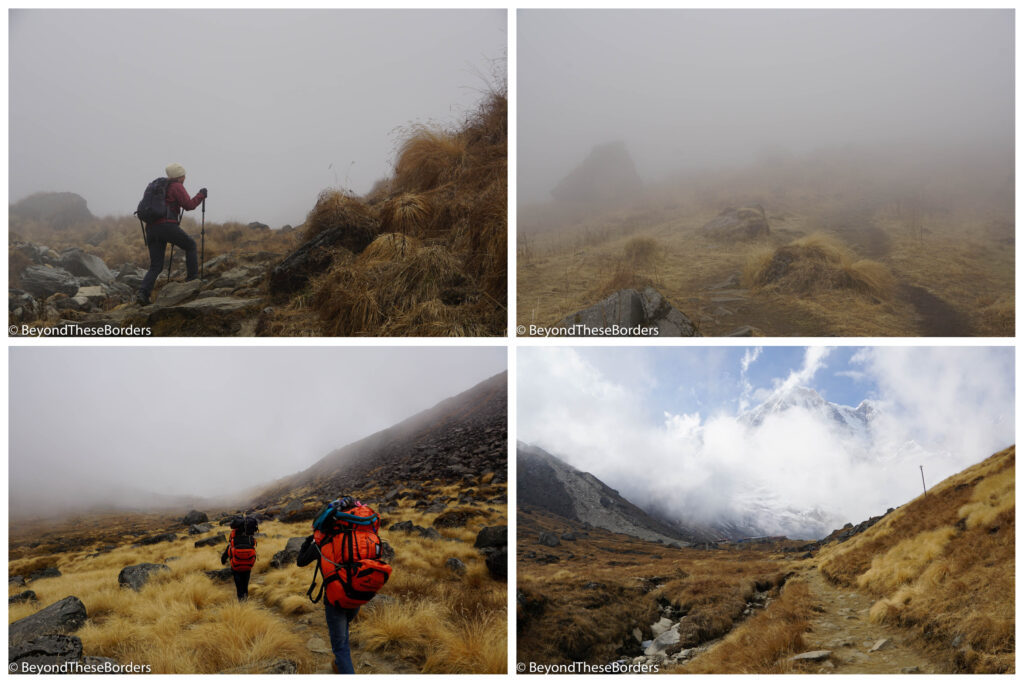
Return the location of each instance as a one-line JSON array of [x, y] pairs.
[[922, 480]]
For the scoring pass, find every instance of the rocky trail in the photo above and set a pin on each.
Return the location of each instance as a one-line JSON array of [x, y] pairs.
[[843, 640]]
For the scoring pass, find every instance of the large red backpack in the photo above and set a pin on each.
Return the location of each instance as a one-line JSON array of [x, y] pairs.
[[242, 545], [350, 556]]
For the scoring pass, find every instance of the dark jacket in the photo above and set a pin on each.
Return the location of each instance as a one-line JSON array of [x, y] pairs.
[[308, 552], [178, 199]]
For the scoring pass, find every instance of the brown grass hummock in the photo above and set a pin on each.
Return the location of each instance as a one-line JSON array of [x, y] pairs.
[[817, 263]]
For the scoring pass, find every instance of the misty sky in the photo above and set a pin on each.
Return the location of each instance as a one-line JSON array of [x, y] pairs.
[[255, 104], [659, 424], [210, 421], [689, 89]]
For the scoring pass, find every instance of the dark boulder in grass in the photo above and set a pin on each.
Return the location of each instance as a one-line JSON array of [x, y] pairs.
[[454, 518], [745, 223], [63, 616], [220, 575], [47, 649], [159, 538], [336, 224], [629, 312], [287, 557], [137, 575], [212, 540], [195, 517], [492, 537]]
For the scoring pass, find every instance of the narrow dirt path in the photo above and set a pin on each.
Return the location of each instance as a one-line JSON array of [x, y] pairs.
[[843, 628]]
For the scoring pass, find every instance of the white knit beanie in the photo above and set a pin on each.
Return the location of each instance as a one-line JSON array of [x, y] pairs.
[[175, 171]]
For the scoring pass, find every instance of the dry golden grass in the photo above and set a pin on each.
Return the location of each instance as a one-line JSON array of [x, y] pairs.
[[428, 158], [817, 263], [943, 567], [585, 606], [449, 192], [763, 643], [333, 209], [426, 617], [566, 257]]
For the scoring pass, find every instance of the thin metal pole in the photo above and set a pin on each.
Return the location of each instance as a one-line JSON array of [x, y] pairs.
[[922, 480], [202, 256]]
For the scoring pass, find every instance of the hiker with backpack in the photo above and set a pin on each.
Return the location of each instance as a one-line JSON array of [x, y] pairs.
[[160, 212], [349, 556], [241, 552]]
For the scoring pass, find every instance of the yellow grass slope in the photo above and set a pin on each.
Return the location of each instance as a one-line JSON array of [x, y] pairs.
[[943, 567], [426, 618]]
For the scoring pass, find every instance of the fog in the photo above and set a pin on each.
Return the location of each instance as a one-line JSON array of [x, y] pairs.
[[117, 425], [695, 90], [265, 108], [663, 427]]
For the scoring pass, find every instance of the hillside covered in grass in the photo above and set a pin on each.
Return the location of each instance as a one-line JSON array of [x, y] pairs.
[[943, 566]]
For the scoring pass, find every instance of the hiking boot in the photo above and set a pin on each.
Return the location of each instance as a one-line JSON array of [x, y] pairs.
[[142, 299], [334, 667]]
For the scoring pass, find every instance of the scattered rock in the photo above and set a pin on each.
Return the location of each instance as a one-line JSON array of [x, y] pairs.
[[24, 596], [319, 645], [44, 281], [172, 294], [46, 573], [568, 536], [313, 257], [813, 656], [660, 626], [220, 575], [218, 539], [910, 670], [663, 642], [549, 539], [194, 517], [629, 311], [61, 617], [77, 262], [159, 538], [46, 649], [137, 575], [738, 224], [455, 566], [454, 518], [492, 537], [197, 529], [287, 557], [497, 563], [880, 644]]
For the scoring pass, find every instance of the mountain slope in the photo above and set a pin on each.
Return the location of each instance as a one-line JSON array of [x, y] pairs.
[[548, 483], [465, 435], [943, 566]]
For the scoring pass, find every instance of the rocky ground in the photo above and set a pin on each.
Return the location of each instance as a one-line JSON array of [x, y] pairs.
[[74, 290]]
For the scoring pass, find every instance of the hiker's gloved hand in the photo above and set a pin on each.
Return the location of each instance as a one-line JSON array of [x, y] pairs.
[[203, 192]]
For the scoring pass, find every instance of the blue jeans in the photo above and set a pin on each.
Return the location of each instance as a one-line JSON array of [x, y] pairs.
[[337, 627], [158, 235]]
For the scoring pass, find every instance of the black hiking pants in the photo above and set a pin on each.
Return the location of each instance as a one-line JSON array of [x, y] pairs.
[[242, 584], [159, 235]]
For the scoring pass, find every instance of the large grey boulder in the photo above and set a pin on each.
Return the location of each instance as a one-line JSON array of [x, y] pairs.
[[58, 209], [492, 537], [45, 281], [137, 575], [63, 616], [159, 538], [630, 313], [287, 557], [47, 649], [663, 642], [738, 224], [195, 517], [607, 175], [197, 529], [77, 262], [549, 539]]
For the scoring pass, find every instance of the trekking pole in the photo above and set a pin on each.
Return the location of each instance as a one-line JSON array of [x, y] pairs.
[[170, 260], [202, 255]]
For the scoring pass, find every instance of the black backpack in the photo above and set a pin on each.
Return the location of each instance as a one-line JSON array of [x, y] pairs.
[[245, 529], [153, 206]]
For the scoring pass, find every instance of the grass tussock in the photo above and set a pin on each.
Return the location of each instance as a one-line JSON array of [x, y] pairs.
[[429, 158], [942, 566], [642, 252], [337, 209], [816, 263], [763, 643]]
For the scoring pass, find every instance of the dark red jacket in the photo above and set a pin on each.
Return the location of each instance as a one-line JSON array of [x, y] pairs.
[[178, 199]]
